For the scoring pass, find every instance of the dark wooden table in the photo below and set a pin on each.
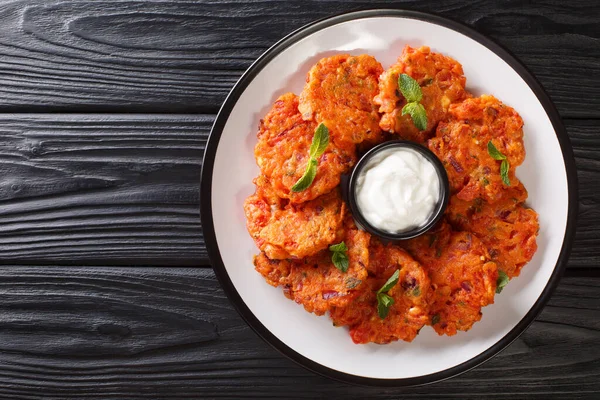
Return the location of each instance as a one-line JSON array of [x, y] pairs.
[[105, 287]]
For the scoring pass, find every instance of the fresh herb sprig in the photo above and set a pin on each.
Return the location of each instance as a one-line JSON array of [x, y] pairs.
[[384, 300], [339, 256], [411, 91], [501, 281], [504, 167], [317, 148]]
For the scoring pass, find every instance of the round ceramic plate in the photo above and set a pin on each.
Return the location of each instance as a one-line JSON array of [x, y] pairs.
[[229, 167]]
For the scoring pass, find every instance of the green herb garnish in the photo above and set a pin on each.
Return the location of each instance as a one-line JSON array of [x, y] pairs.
[[435, 319], [411, 91], [309, 176], [504, 172], [319, 142], [410, 88], [385, 301], [501, 281], [494, 152], [504, 167], [317, 148], [417, 113], [339, 256], [390, 282]]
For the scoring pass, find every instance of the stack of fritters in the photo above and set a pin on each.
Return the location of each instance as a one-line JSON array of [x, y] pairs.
[[445, 276]]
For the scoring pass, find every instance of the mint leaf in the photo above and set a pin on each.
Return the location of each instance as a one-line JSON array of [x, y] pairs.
[[386, 299], [494, 153], [390, 282], [417, 113], [410, 88], [307, 179], [501, 281], [435, 319], [384, 302], [341, 246], [319, 142], [504, 172], [340, 260], [504, 167], [317, 148], [340, 256], [412, 93]]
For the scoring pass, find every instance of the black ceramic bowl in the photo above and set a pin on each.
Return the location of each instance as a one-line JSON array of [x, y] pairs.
[[435, 216]]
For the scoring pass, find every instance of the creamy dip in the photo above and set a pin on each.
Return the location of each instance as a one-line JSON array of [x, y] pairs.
[[397, 190]]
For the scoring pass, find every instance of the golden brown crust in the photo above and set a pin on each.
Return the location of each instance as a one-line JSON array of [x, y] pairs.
[[339, 92], [282, 152], [442, 83], [463, 279], [506, 228], [314, 281], [461, 144], [287, 230], [410, 310]]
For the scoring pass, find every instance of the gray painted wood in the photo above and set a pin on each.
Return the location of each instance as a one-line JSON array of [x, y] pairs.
[[184, 56], [139, 333]]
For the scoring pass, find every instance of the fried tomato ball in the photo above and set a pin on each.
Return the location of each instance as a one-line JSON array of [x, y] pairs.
[[282, 152], [461, 143], [410, 310], [314, 281], [287, 230], [506, 228], [463, 279], [442, 83], [339, 92]]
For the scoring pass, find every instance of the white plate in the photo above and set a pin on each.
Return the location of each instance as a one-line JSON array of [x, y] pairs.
[[229, 167]]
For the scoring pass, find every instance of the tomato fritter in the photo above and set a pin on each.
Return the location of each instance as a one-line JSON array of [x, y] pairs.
[[339, 92], [314, 281], [286, 230], [461, 143], [463, 279], [442, 83], [506, 228], [410, 310], [282, 152]]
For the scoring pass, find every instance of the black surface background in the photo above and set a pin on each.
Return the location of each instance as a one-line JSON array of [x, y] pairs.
[[105, 287]]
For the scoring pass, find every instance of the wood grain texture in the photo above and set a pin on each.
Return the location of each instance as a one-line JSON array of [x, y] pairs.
[[141, 333], [184, 56], [100, 189], [585, 139], [124, 189]]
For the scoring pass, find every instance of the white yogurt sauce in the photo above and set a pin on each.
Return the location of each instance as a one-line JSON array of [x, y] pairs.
[[398, 189]]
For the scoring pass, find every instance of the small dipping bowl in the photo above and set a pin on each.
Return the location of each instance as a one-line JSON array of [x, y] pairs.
[[409, 233]]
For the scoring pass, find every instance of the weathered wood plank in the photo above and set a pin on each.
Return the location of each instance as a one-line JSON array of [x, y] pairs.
[[124, 189], [585, 138], [101, 189], [182, 56], [171, 333]]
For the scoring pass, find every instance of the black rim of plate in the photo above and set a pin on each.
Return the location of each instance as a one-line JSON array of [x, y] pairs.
[[206, 195]]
